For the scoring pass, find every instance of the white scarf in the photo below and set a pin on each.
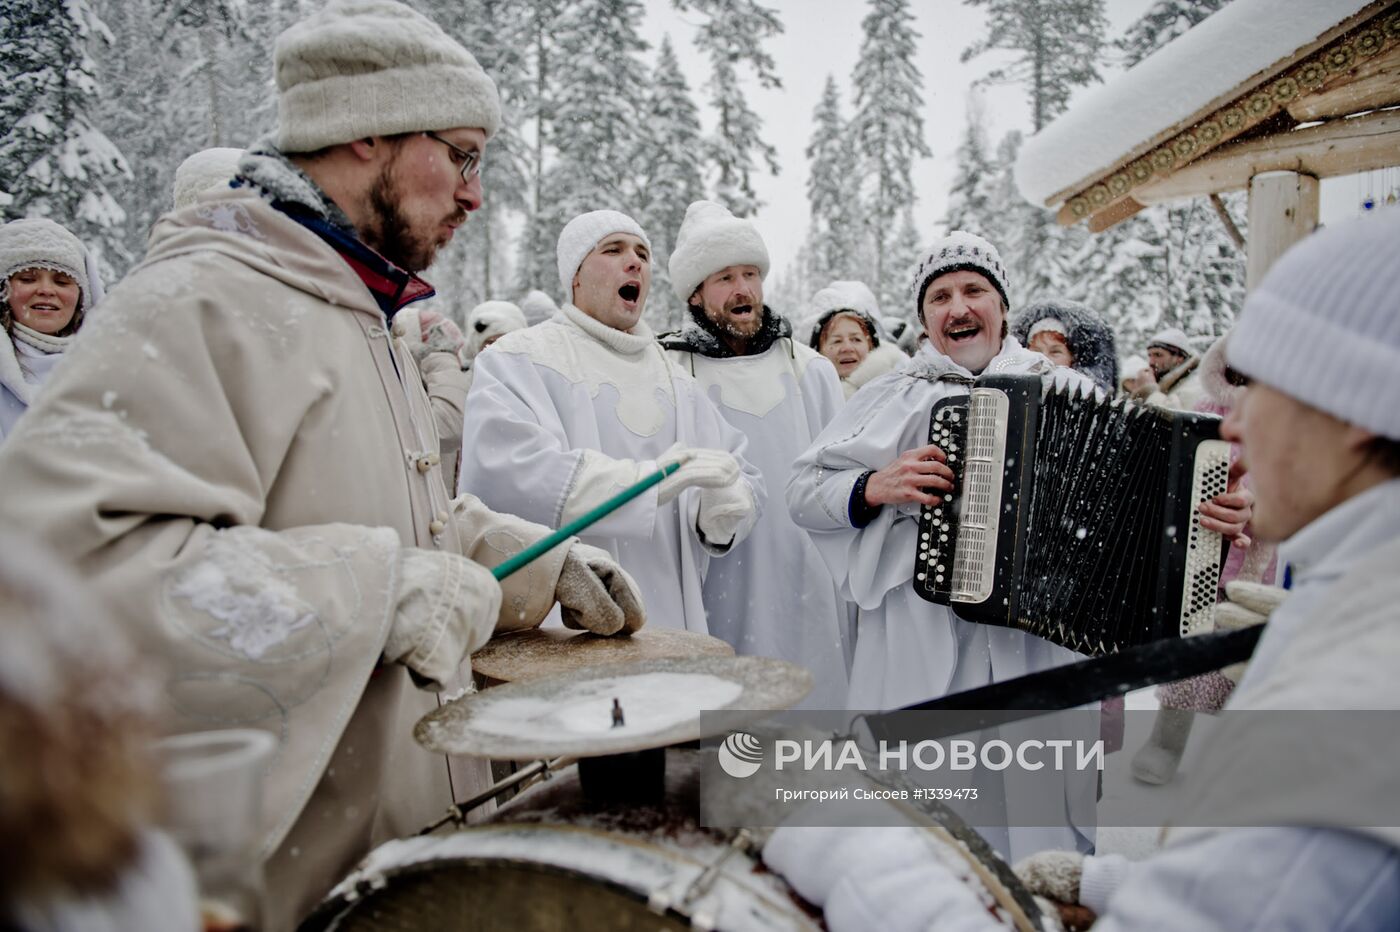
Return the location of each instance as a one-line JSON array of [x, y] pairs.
[[42, 343], [628, 342], [26, 342]]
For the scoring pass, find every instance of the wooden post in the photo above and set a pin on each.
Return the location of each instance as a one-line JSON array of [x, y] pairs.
[[1283, 208]]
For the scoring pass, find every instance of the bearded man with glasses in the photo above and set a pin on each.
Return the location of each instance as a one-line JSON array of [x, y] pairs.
[[258, 493]]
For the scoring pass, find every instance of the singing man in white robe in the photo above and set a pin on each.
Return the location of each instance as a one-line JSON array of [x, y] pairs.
[[773, 597], [566, 414]]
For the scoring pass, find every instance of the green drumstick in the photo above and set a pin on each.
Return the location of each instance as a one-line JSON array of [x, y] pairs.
[[545, 544]]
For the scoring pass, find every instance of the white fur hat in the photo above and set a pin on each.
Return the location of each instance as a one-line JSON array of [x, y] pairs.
[[1172, 338], [490, 319], [205, 170], [581, 234], [1324, 324], [846, 296], [710, 239], [360, 68], [38, 243], [955, 252], [537, 307]]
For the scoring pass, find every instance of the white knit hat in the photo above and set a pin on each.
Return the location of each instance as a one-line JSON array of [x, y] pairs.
[[958, 251], [206, 170], [581, 234], [1324, 324], [1050, 324], [490, 319], [710, 239], [38, 243], [362, 68], [1172, 338], [537, 307]]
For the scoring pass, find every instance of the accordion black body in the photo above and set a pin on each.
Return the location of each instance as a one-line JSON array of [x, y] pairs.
[[1073, 517]]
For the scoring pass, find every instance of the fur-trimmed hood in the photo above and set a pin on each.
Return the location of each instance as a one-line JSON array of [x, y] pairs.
[[1089, 338]]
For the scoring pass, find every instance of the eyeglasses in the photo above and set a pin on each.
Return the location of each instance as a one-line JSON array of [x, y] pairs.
[[469, 162]]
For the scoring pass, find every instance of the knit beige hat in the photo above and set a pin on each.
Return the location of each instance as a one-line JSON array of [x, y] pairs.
[[362, 68]]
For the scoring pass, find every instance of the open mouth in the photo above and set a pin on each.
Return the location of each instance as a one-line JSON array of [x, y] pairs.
[[962, 331], [742, 310], [43, 307], [630, 292]]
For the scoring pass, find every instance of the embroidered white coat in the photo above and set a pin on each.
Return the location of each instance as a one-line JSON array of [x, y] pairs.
[[907, 649], [772, 596], [564, 415]]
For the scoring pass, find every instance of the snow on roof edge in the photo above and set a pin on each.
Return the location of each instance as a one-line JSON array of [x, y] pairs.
[[1112, 120]]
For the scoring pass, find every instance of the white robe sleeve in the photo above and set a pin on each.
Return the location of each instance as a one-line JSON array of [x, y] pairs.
[[707, 427], [890, 416], [517, 456]]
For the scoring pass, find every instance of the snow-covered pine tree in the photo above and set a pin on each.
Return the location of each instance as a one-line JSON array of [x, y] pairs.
[[834, 230], [669, 175], [905, 248], [1056, 46], [597, 116], [887, 129], [535, 265], [1163, 22], [732, 36], [54, 162], [970, 202], [1171, 265], [210, 24]]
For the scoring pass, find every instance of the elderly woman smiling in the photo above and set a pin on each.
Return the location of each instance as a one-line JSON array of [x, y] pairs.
[[43, 295]]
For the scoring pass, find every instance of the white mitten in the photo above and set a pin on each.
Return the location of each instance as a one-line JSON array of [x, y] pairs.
[[596, 594], [874, 878], [724, 511], [427, 331], [1053, 874], [447, 608], [1249, 604], [706, 469]]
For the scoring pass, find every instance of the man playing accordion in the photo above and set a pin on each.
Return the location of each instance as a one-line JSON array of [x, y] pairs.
[[859, 488]]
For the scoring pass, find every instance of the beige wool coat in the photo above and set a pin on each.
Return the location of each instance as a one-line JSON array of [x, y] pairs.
[[237, 457]]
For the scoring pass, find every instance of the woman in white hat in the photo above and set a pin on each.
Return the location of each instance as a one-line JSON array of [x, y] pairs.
[[44, 293]]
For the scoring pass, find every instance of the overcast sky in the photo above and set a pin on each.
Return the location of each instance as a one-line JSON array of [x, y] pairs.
[[823, 37]]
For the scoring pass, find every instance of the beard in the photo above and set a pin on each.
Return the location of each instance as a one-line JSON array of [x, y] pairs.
[[392, 235], [742, 327]]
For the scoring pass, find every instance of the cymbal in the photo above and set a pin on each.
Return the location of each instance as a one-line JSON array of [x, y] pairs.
[[527, 655], [571, 714]]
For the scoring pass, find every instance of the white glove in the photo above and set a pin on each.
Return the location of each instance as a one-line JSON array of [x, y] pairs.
[[723, 512], [596, 594], [707, 469], [447, 608], [1248, 604], [875, 878], [427, 331]]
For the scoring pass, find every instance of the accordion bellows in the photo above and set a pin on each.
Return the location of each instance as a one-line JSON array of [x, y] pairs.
[[1073, 517]]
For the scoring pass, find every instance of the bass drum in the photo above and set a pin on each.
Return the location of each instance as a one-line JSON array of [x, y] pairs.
[[549, 860]]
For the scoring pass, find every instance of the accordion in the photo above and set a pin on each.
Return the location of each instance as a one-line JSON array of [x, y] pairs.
[[1073, 517]]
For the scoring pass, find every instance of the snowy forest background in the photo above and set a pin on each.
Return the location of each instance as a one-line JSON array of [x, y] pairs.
[[104, 98]]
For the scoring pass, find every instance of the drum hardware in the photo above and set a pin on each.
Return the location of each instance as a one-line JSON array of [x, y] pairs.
[[747, 842], [541, 769]]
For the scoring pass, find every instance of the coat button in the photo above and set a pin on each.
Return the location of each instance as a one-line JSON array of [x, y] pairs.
[[436, 527]]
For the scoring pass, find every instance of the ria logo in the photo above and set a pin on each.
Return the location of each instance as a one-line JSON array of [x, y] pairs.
[[741, 755]]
